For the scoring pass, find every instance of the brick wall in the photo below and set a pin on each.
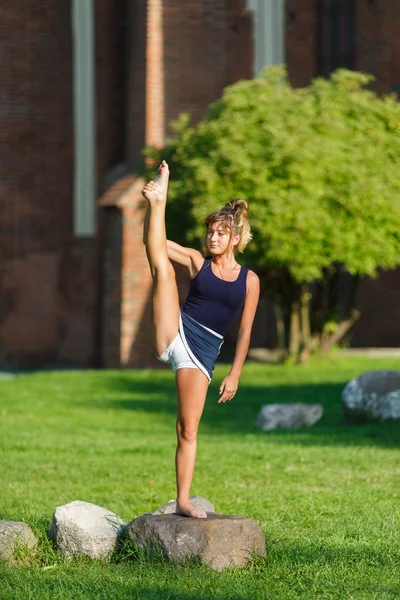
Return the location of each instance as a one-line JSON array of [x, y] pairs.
[[240, 43], [111, 31], [126, 281], [136, 82], [379, 303], [301, 41], [195, 56], [180, 57], [36, 135], [46, 287], [377, 32], [377, 42]]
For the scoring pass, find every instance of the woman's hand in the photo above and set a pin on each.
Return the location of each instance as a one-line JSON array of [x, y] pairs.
[[228, 387]]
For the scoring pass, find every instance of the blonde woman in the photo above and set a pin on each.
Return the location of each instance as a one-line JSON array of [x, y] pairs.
[[189, 338]]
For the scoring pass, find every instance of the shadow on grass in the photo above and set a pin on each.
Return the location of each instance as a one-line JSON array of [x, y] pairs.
[[63, 586], [159, 397], [287, 573]]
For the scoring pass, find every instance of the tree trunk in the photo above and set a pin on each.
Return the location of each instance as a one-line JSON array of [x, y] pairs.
[[353, 293], [294, 343], [329, 341], [280, 326], [305, 324]]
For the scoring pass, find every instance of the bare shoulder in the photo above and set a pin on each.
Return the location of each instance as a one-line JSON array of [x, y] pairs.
[[197, 260], [196, 257], [252, 281], [252, 298]]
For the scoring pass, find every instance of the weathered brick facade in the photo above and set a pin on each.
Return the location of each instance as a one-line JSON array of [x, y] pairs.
[[85, 301], [47, 278], [377, 42], [375, 38], [301, 41]]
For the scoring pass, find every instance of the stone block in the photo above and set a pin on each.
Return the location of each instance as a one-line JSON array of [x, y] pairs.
[[288, 416], [14, 535], [219, 541], [373, 396], [83, 528]]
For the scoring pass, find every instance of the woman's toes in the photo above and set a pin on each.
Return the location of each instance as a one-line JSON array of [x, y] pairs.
[[200, 515]]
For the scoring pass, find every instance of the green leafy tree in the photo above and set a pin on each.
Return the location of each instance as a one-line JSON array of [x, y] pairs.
[[320, 169]]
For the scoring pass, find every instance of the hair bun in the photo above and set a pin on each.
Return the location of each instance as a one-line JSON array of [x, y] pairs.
[[239, 206]]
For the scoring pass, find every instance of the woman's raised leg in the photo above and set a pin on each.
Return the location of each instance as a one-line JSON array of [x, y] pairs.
[[192, 386], [165, 300]]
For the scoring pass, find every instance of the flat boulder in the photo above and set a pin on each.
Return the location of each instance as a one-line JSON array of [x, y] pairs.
[[197, 501], [373, 396], [219, 541], [15, 535], [83, 528], [288, 416]]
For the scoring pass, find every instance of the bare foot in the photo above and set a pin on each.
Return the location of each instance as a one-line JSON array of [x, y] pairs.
[[187, 509], [156, 190]]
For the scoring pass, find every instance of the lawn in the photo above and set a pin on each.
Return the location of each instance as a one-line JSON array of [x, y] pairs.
[[327, 498]]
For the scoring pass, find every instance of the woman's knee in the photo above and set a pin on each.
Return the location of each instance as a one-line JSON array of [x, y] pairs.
[[187, 431], [162, 269]]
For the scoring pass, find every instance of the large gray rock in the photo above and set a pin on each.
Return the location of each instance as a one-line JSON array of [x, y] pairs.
[[197, 501], [15, 535], [290, 416], [375, 396], [219, 541], [85, 528]]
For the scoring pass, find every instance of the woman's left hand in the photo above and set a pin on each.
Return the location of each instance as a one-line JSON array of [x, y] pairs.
[[228, 388]]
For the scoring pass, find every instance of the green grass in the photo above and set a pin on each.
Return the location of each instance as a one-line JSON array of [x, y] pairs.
[[327, 497]]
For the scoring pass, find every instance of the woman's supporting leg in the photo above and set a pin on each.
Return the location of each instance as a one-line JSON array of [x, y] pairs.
[[192, 387], [165, 300]]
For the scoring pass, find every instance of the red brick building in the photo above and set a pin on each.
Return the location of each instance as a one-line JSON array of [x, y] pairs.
[[84, 85]]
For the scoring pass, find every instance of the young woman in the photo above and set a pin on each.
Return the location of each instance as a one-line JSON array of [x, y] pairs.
[[190, 339]]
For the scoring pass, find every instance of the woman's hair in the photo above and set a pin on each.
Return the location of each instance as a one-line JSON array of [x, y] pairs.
[[233, 217]]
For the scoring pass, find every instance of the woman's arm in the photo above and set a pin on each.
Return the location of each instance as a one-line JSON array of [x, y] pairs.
[[188, 257], [230, 384]]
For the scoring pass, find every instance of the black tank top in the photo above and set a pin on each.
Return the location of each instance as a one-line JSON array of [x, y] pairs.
[[214, 302]]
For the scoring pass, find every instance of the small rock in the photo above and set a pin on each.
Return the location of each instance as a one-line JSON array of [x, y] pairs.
[[14, 535], [85, 528], [219, 541], [374, 396], [288, 416], [197, 501], [5, 376]]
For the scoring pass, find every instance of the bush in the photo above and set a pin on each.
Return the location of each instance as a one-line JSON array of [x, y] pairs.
[[319, 167]]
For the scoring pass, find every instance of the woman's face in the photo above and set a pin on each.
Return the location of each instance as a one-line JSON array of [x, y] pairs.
[[219, 239]]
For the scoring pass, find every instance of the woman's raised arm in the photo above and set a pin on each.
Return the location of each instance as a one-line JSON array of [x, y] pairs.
[[188, 257]]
